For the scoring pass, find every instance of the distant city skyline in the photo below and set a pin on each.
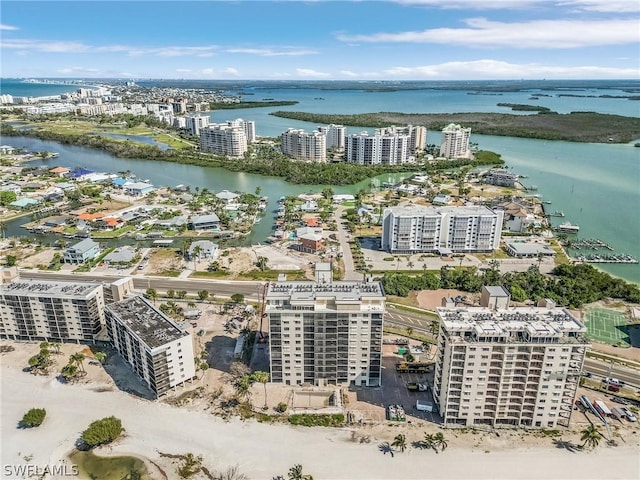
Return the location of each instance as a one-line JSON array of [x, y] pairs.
[[322, 40]]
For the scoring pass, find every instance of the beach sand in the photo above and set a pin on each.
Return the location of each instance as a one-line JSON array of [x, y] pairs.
[[263, 451]]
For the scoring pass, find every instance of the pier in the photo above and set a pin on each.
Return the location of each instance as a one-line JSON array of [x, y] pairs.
[[612, 258], [588, 244]]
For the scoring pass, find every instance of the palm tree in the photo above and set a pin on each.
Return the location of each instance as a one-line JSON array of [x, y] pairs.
[[196, 256], [591, 436], [78, 359], [400, 441], [429, 441], [439, 441], [100, 356], [56, 346], [295, 473], [263, 378], [69, 372], [152, 293]]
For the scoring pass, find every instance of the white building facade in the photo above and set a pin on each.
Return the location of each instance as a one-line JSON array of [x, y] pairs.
[[517, 367], [223, 139], [417, 229], [195, 123], [302, 145], [455, 142], [51, 311], [155, 347], [381, 148], [335, 135], [325, 332], [248, 126]]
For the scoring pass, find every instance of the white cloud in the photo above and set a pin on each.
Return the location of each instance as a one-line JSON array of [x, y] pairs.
[[267, 52], [231, 71], [496, 69], [308, 72], [206, 50], [82, 70], [619, 6], [7, 27], [481, 32], [183, 70]]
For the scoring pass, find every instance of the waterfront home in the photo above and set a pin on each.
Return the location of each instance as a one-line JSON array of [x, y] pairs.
[[501, 178], [78, 173], [108, 223], [306, 230], [121, 255], [173, 223], [82, 251], [310, 242], [120, 182], [11, 187], [66, 186], [24, 203], [343, 197], [308, 206], [528, 249], [205, 222], [59, 171], [138, 189], [228, 197], [57, 221], [7, 150], [205, 248]]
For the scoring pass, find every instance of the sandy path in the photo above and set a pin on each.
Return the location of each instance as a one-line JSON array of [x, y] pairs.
[[260, 450]]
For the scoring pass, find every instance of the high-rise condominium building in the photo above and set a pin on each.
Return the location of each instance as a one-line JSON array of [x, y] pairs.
[[455, 142], [335, 135], [508, 366], [248, 126], [223, 139], [155, 347], [325, 332], [441, 229], [381, 148], [51, 311], [301, 145], [417, 136], [195, 123]]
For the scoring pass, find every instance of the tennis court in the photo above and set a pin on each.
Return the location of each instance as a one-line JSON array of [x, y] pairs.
[[607, 326]]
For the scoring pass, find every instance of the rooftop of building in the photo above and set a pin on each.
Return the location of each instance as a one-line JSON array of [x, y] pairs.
[[343, 290], [43, 288], [152, 326], [511, 323], [422, 210]]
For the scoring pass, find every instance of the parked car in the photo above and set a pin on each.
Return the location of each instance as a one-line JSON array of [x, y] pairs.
[[621, 401], [629, 414], [417, 387]]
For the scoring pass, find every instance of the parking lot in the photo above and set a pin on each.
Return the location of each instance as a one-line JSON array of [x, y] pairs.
[[372, 401]]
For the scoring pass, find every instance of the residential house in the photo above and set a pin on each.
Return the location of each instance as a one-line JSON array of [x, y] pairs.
[[7, 150], [528, 249], [138, 189], [311, 242], [82, 251], [121, 255], [24, 203], [343, 197], [59, 171], [228, 197], [441, 199], [205, 248], [205, 222], [309, 206], [173, 223]]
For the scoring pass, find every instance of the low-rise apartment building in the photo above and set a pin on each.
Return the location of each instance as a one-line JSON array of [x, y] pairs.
[[155, 347], [82, 251], [325, 332]]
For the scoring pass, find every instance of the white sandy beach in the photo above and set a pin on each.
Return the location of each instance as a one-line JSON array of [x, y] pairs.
[[263, 451]]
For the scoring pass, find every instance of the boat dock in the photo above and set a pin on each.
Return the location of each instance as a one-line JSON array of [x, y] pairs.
[[588, 244], [610, 258]]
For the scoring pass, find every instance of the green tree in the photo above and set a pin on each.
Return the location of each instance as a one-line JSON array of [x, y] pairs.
[[7, 197], [33, 418], [591, 436], [100, 356], [102, 431], [263, 378], [78, 360], [152, 293], [11, 260], [70, 372], [237, 298], [171, 293], [439, 441], [400, 441], [181, 294], [203, 295]]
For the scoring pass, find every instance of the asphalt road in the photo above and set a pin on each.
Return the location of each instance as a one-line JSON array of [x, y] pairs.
[[224, 288], [602, 369]]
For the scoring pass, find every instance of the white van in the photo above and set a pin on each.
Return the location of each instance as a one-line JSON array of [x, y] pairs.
[[424, 406]]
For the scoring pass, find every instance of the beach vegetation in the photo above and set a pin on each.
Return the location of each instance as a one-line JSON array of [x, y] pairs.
[[103, 431], [590, 437], [296, 473], [400, 442], [307, 420], [33, 418], [191, 466]]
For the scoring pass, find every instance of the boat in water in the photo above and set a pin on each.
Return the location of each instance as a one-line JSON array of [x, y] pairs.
[[567, 228]]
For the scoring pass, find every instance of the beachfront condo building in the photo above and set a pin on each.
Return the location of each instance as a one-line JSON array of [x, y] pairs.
[[248, 126], [38, 310], [380, 148], [223, 139], [455, 142], [301, 145], [195, 123], [325, 332], [154, 346], [335, 135], [508, 367], [444, 230], [417, 136]]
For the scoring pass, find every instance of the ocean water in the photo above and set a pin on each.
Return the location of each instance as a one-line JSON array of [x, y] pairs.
[[596, 185], [18, 88]]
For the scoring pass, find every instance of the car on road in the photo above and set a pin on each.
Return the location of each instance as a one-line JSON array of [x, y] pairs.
[[621, 401], [417, 387], [587, 374]]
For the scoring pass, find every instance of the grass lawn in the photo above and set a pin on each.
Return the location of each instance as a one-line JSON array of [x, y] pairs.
[[607, 326], [173, 142]]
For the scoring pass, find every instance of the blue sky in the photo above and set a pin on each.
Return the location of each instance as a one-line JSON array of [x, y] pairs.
[[369, 40]]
